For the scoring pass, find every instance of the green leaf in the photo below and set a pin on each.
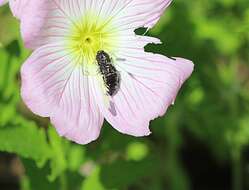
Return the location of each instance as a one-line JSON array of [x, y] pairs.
[[36, 179], [76, 157], [93, 181], [57, 158], [25, 139], [137, 151], [120, 174], [9, 27]]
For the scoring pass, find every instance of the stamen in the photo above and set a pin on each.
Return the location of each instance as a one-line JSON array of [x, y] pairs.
[[88, 40], [88, 37]]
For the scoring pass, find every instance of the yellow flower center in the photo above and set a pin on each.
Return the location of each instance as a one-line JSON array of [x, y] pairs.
[[89, 35]]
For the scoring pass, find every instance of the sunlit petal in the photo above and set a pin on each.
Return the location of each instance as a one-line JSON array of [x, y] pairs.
[[53, 85], [61, 79], [150, 83]]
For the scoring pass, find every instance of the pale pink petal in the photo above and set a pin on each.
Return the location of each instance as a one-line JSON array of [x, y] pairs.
[[129, 14], [2, 2], [149, 85], [42, 20], [47, 21], [31, 14], [54, 86], [19, 7], [133, 14]]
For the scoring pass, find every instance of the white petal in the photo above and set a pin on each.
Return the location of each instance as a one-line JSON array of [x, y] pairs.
[[149, 85], [54, 86]]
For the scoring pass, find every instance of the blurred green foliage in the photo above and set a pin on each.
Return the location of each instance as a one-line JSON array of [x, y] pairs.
[[213, 107]]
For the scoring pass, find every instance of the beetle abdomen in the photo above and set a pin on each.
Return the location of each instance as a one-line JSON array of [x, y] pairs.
[[109, 73]]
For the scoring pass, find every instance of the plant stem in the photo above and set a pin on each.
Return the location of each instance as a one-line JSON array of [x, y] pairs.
[[63, 181]]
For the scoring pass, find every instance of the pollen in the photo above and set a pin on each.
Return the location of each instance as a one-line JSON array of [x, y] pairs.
[[89, 35]]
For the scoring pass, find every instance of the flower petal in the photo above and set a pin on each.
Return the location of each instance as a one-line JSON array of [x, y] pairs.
[[140, 13], [149, 85], [45, 19], [2, 2], [18, 7], [32, 17], [54, 86]]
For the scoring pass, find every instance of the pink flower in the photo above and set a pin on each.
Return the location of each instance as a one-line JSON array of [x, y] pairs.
[[62, 79], [2, 2], [31, 14]]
